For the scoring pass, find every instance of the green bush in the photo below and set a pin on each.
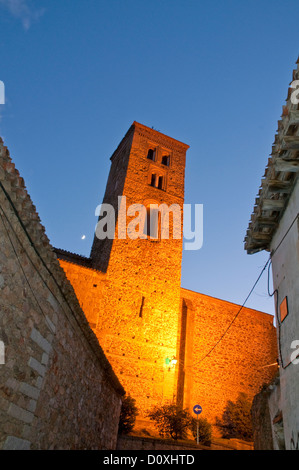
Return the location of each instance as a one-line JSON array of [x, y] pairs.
[[236, 419], [171, 420], [204, 430], [128, 415]]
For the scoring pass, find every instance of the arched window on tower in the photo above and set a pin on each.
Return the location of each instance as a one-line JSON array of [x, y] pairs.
[[151, 154], [157, 181], [165, 160], [153, 180], [160, 182], [152, 221]]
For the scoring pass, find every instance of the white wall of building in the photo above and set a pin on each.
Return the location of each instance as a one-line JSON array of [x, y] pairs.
[[285, 272]]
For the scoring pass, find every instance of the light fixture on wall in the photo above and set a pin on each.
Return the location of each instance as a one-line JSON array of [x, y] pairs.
[[171, 362]]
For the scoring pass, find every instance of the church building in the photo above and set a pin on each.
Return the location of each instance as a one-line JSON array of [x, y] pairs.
[[164, 343]]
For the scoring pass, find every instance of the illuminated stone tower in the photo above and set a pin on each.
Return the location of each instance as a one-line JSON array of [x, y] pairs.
[[138, 321], [130, 291]]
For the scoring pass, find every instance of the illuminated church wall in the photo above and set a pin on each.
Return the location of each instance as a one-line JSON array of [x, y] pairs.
[[218, 366]]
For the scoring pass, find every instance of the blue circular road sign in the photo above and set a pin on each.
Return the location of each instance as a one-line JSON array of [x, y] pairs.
[[197, 409]]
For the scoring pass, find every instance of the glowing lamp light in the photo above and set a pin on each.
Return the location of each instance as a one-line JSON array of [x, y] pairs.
[[171, 362]]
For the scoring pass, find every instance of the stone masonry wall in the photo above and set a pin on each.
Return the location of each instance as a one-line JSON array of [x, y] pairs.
[[236, 364], [88, 285], [57, 389], [138, 357], [239, 362], [138, 317], [262, 423]]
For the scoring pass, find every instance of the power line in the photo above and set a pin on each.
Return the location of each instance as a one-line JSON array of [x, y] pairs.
[[269, 261], [276, 292], [235, 317], [274, 251]]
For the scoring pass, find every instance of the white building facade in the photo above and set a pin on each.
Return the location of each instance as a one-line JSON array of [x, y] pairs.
[[274, 227]]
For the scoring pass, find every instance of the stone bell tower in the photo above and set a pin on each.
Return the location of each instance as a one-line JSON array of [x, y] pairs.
[[138, 322]]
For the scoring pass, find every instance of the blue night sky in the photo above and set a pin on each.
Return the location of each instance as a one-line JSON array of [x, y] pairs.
[[211, 74]]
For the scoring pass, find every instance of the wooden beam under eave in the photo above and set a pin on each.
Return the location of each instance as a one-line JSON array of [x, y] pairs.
[[272, 204], [290, 142], [277, 186], [286, 165], [266, 221], [261, 237], [251, 250], [293, 117], [253, 246]]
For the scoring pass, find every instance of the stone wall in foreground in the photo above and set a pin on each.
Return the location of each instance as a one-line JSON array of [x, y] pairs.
[[131, 442], [57, 389]]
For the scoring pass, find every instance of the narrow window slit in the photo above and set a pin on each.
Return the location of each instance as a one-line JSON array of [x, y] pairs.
[[141, 307]]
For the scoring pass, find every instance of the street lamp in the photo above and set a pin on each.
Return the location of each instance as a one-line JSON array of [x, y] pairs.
[[171, 362]]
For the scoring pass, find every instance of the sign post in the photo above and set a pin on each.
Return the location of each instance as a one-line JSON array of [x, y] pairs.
[[197, 409]]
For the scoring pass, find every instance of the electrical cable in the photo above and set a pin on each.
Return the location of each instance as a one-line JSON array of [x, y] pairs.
[[274, 251], [268, 263], [277, 293], [233, 320], [235, 317], [280, 361]]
